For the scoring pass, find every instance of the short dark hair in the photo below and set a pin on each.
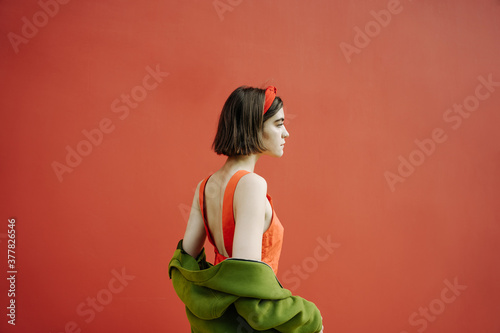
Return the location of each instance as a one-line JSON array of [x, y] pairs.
[[241, 121]]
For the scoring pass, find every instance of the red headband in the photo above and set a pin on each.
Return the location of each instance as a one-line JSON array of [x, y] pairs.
[[270, 96]]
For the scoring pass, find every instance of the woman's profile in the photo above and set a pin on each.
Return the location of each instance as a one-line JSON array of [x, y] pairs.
[[239, 292]]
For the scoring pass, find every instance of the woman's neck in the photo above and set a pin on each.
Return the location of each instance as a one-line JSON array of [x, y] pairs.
[[246, 162]]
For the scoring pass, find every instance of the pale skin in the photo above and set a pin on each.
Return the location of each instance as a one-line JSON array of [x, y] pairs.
[[252, 210]]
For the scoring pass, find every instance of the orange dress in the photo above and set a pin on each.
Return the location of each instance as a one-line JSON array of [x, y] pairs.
[[272, 239]]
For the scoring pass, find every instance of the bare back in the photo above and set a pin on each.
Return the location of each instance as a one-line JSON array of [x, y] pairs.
[[214, 199]]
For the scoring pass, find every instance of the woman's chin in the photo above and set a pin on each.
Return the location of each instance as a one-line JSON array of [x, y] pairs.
[[276, 153]]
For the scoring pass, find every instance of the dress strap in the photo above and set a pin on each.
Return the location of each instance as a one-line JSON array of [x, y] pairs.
[[203, 209], [228, 212]]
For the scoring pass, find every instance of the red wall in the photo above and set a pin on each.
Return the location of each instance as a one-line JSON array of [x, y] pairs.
[[388, 188]]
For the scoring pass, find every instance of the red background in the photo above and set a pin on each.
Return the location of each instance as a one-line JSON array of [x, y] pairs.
[[125, 205]]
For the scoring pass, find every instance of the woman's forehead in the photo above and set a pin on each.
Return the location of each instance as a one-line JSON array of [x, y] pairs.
[[279, 114]]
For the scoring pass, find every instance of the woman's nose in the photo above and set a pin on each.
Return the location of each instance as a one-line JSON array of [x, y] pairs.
[[285, 133]]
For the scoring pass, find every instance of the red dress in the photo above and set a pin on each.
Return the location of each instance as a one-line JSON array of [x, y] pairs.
[[272, 239]]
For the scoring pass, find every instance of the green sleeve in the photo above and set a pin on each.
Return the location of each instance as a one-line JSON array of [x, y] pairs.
[[289, 315]]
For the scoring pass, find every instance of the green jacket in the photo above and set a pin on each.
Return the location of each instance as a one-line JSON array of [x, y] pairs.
[[238, 296]]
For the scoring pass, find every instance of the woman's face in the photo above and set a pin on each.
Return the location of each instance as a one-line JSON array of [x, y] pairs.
[[274, 134]]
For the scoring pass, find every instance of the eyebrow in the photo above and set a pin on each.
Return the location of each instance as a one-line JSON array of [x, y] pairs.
[[281, 119]]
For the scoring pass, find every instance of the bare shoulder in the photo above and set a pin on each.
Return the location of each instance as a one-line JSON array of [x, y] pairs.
[[252, 184], [197, 191], [249, 216], [198, 186], [196, 197], [253, 180]]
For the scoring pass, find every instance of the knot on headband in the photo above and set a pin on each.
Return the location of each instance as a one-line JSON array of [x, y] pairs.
[[270, 96]]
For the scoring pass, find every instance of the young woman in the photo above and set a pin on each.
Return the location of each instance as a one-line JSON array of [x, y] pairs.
[[232, 208]]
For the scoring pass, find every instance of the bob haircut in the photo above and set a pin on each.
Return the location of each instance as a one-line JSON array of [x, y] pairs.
[[241, 122]]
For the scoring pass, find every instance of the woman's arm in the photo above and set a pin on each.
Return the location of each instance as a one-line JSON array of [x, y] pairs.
[[249, 214], [194, 237]]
